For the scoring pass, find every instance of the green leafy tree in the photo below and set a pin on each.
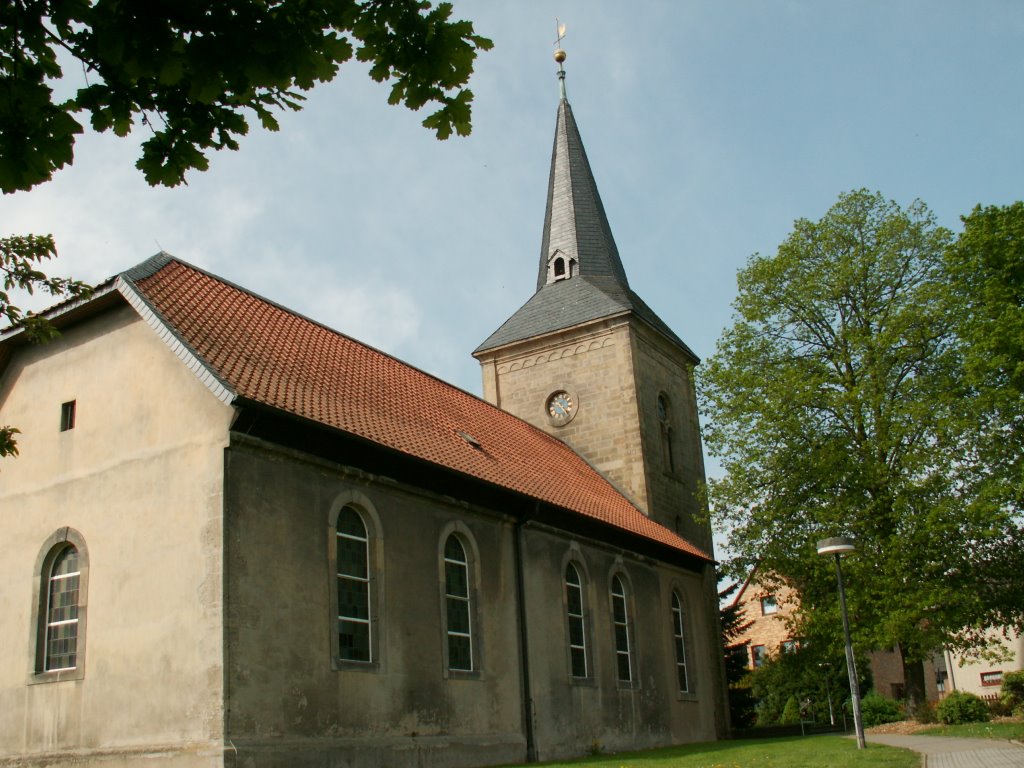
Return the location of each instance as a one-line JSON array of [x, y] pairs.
[[835, 402], [192, 75], [985, 267]]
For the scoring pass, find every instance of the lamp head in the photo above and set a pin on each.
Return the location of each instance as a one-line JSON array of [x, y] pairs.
[[837, 545]]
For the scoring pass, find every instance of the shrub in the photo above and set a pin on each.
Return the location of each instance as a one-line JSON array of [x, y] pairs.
[[1012, 691], [962, 707], [875, 709], [791, 712], [926, 714]]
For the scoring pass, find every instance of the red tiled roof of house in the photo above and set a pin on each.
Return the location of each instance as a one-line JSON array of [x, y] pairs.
[[272, 356]]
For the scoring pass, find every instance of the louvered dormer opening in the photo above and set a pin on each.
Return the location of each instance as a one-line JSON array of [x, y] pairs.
[[562, 267]]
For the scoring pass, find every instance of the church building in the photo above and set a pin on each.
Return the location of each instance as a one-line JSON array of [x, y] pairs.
[[236, 537]]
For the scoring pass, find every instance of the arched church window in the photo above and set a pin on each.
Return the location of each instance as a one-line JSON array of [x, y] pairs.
[[679, 642], [60, 606], [354, 621], [62, 612], [559, 268], [576, 621], [620, 622], [457, 606]]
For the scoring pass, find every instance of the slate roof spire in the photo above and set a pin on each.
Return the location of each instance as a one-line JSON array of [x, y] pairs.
[[581, 277], [577, 239]]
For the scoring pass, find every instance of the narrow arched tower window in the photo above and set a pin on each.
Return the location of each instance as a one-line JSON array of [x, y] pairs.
[[61, 651], [354, 626], [667, 434]]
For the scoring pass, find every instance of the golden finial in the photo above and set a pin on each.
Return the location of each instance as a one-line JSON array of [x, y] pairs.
[[559, 53]]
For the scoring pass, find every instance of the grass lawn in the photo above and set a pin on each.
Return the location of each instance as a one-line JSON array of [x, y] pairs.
[[796, 752], [1014, 730]]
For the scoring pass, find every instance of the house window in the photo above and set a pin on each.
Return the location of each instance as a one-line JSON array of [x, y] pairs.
[[620, 621], [61, 651], [789, 646], [769, 605], [577, 623], [67, 416], [992, 678], [354, 625], [680, 643], [457, 607], [758, 654]]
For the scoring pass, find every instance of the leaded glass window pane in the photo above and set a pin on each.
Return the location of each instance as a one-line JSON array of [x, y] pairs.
[[354, 640], [62, 611], [460, 655]]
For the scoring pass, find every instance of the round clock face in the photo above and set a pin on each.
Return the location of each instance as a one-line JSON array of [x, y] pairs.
[[561, 407]]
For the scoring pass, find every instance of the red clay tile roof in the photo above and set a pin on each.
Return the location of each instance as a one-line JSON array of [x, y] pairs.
[[274, 357]]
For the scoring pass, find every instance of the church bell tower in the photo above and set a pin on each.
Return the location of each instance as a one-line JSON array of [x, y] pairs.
[[586, 360]]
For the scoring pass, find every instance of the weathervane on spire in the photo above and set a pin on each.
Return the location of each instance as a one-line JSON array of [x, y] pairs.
[[560, 55]]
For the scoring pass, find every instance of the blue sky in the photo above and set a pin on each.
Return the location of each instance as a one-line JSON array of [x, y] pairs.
[[710, 127]]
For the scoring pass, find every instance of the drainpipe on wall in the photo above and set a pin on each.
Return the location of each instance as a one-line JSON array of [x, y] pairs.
[[524, 652]]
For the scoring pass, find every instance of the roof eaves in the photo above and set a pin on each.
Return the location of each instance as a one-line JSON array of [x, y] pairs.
[[57, 311], [495, 348], [220, 388]]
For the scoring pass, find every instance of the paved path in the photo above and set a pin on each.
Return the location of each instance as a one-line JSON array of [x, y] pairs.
[[947, 752]]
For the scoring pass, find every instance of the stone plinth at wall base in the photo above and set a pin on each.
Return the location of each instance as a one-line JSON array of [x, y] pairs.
[[403, 752], [192, 755]]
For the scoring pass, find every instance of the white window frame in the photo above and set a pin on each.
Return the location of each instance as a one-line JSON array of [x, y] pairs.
[[618, 599], [679, 643]]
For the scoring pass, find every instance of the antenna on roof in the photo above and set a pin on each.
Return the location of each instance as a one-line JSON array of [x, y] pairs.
[[560, 56]]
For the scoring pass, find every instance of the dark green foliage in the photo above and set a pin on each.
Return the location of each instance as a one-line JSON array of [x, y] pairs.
[[1012, 692], [875, 709], [985, 272], [195, 73], [961, 707]]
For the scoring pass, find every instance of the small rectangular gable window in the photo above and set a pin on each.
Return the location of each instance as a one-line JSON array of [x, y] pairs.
[[67, 416], [769, 605]]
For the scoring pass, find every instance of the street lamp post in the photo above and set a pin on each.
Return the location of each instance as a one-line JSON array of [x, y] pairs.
[[838, 546]]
